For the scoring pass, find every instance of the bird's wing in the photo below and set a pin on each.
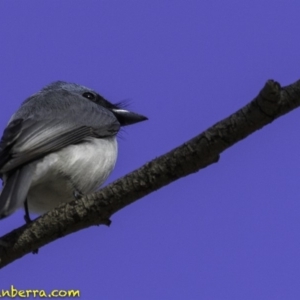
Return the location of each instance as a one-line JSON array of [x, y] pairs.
[[29, 138], [15, 190]]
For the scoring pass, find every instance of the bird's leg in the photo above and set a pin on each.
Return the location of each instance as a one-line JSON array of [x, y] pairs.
[[28, 221], [27, 216], [77, 194]]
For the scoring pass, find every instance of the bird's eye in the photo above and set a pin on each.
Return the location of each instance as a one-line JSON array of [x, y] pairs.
[[88, 95]]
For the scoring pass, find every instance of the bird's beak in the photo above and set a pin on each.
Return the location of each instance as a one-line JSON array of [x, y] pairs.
[[126, 117]]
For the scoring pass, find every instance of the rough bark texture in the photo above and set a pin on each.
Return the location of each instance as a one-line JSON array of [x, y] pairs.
[[272, 102]]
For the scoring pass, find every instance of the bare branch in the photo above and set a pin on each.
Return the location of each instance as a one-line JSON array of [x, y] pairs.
[[201, 151]]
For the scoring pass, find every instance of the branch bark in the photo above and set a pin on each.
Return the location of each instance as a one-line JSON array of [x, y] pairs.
[[272, 102]]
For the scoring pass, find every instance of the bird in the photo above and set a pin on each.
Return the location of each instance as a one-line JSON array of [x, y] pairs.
[[58, 146]]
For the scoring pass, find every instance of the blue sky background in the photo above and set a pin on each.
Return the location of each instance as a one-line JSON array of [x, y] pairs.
[[231, 231]]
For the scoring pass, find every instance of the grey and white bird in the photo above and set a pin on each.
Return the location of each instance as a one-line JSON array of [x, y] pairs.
[[59, 145]]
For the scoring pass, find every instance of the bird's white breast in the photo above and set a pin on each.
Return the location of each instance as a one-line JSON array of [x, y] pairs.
[[83, 167]]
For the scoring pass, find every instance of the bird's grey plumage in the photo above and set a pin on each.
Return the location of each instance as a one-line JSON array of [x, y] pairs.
[[16, 188], [58, 142]]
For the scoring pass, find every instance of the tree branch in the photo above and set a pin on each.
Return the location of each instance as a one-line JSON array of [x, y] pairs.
[[199, 152]]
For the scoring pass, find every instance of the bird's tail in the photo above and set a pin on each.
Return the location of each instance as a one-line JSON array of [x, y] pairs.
[[15, 190]]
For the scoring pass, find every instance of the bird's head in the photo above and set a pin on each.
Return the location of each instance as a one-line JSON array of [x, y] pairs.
[[124, 116]]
